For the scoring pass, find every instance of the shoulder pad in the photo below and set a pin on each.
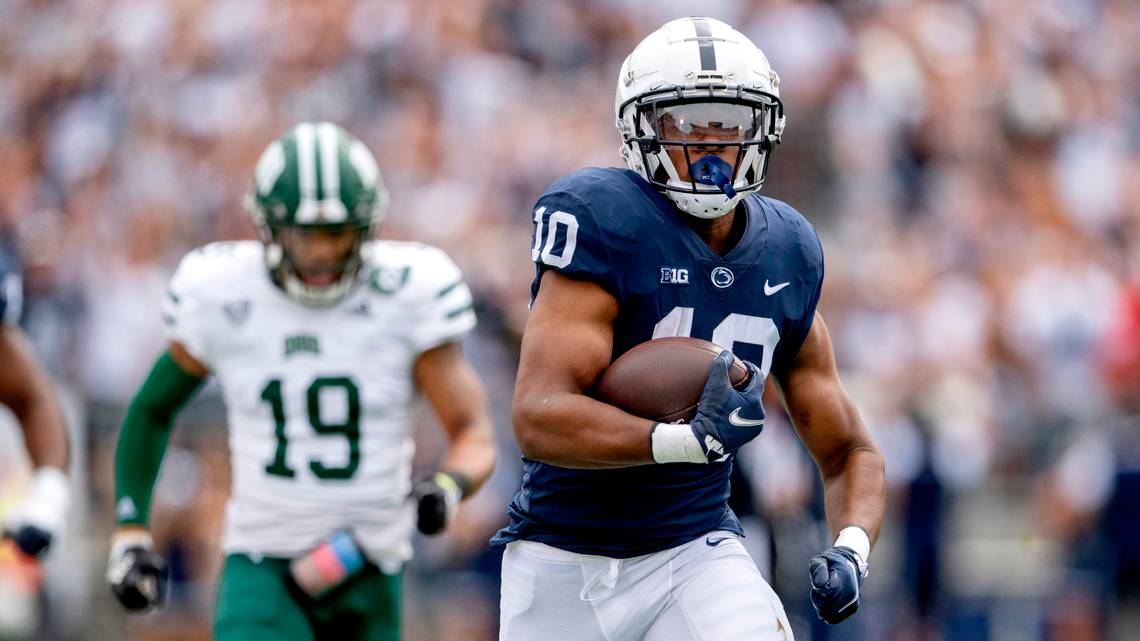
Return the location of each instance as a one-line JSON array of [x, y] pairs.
[[792, 237], [790, 231], [588, 222], [430, 283], [215, 265], [620, 199], [408, 268], [204, 276]]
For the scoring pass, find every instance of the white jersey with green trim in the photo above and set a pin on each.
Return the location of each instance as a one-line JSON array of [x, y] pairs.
[[319, 400]]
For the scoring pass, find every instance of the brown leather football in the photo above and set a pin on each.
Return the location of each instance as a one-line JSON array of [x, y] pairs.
[[662, 379]]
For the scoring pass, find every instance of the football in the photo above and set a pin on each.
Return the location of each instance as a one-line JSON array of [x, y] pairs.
[[662, 379]]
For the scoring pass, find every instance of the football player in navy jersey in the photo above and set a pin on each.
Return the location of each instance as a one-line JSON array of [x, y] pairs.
[[26, 389], [621, 530]]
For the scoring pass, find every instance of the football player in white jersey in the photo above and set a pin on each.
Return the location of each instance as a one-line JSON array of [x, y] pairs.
[[322, 340]]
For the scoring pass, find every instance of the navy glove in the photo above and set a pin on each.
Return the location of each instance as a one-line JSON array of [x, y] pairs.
[[836, 576], [436, 501], [137, 576], [728, 418]]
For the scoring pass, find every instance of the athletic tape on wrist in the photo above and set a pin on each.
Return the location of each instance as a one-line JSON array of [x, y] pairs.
[[675, 443], [855, 538]]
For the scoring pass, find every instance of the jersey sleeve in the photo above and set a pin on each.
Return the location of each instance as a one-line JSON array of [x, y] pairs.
[[11, 297], [809, 251], [445, 309], [567, 237], [185, 310]]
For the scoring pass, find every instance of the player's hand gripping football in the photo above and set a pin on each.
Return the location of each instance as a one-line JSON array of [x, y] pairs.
[[836, 576], [437, 499], [136, 573], [726, 419], [34, 523]]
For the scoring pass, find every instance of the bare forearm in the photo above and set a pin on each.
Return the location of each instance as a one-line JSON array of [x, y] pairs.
[[45, 433], [855, 494], [472, 454], [27, 390], [573, 430]]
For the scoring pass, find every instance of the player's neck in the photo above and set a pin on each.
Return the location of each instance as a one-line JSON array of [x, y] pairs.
[[720, 234]]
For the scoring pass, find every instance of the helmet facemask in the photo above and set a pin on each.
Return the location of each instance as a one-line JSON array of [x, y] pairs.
[[704, 147], [294, 273]]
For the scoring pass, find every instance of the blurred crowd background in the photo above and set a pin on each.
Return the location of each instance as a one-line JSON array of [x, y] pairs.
[[972, 166]]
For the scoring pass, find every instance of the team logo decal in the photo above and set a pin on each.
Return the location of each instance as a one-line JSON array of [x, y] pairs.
[[237, 312], [301, 343], [389, 281], [674, 276], [360, 309], [722, 277]]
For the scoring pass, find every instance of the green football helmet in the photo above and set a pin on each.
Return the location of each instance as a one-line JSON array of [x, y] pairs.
[[316, 177]]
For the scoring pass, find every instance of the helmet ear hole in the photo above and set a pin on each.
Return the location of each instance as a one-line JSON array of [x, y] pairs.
[[273, 254], [649, 145]]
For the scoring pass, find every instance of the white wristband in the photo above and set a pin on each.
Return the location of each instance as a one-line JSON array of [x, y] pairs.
[[676, 443], [131, 538], [854, 538], [48, 501]]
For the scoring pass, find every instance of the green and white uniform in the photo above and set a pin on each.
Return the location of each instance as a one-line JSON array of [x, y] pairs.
[[319, 399]]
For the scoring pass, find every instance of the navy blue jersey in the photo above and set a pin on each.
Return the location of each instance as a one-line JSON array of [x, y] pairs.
[[11, 290], [611, 227]]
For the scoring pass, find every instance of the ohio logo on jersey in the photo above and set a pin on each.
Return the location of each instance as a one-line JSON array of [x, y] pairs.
[[301, 343], [674, 276]]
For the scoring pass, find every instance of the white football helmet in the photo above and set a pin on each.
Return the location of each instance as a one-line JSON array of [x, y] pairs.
[[700, 89]]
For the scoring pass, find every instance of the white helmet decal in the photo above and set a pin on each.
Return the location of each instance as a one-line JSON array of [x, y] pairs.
[[704, 70]]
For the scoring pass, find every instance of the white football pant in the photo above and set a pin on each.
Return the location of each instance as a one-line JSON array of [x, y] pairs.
[[697, 591]]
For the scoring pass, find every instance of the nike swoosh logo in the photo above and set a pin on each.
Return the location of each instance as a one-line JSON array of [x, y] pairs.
[[736, 419], [712, 543], [769, 290]]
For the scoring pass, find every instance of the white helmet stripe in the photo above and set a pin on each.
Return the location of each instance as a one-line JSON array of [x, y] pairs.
[[330, 165], [705, 44], [306, 173], [334, 210]]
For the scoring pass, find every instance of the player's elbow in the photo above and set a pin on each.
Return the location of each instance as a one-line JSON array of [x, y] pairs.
[[862, 456], [528, 418]]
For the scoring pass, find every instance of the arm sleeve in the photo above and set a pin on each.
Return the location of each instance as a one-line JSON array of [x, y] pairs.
[[447, 310], [146, 430]]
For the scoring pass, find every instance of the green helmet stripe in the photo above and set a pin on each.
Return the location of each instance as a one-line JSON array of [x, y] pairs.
[[330, 172], [307, 174]]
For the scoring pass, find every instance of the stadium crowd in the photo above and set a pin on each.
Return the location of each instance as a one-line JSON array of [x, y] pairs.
[[972, 166]]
